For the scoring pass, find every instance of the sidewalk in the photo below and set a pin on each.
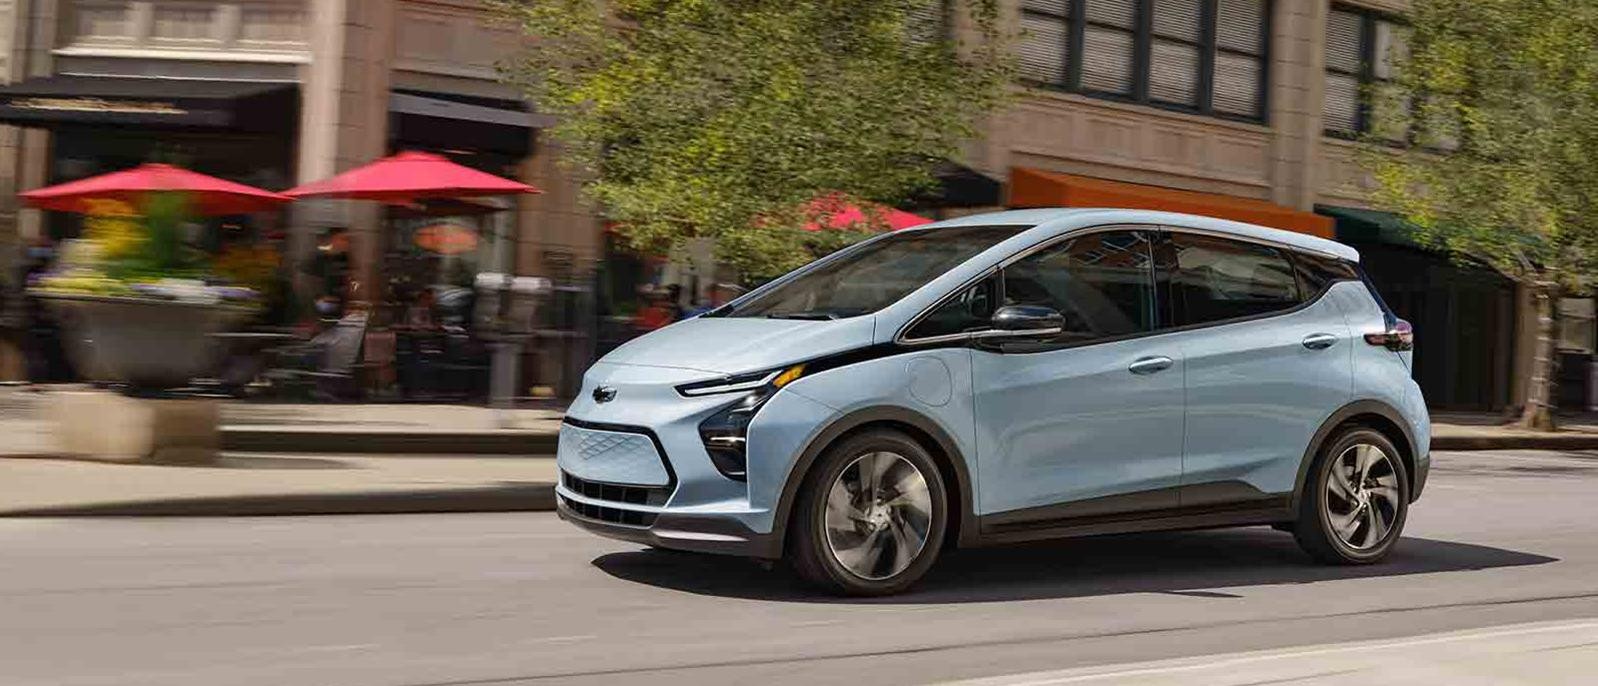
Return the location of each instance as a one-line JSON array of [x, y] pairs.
[[471, 430], [1469, 431], [330, 428], [388, 429], [257, 484], [318, 459]]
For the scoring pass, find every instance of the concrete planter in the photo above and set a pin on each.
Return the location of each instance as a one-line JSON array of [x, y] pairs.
[[148, 344], [102, 425]]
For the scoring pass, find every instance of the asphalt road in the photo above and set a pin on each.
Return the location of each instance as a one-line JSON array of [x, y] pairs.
[[1500, 538]]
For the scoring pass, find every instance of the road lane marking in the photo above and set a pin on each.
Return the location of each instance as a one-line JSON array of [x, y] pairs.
[[1197, 664], [562, 639]]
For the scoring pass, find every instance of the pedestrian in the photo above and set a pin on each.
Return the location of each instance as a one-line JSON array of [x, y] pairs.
[[653, 314], [43, 343], [674, 308]]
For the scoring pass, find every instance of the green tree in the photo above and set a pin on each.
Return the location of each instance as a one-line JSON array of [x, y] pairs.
[[723, 118], [1508, 89]]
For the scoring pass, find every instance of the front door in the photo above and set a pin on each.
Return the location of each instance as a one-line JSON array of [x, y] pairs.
[[1090, 422]]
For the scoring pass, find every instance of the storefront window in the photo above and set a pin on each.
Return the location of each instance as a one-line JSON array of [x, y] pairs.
[[258, 160]]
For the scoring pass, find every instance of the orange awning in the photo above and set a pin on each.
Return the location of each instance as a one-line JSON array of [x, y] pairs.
[[1036, 188]]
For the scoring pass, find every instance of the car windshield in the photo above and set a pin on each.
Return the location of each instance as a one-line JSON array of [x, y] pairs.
[[874, 275]]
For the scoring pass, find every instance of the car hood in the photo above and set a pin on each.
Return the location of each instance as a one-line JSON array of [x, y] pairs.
[[735, 345]]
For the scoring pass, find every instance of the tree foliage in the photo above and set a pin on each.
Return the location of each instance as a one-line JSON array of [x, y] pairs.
[[723, 118], [1511, 87]]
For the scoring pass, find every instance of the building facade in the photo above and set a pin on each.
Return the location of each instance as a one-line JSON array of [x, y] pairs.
[[1237, 108], [1249, 109], [275, 93]]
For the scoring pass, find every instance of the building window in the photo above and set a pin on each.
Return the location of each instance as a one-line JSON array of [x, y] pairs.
[[1204, 56], [1361, 48], [932, 21], [1577, 330]]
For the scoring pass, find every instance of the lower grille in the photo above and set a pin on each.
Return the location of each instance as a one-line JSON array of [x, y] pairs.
[[613, 515], [616, 493]]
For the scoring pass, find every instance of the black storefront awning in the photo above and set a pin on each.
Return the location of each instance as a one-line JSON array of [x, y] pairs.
[[456, 122], [959, 186], [181, 103], [1355, 225]]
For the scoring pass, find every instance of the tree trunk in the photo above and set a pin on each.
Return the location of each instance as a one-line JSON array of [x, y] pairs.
[[1538, 414]]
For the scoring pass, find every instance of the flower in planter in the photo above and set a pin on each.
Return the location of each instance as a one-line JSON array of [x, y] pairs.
[[140, 253]]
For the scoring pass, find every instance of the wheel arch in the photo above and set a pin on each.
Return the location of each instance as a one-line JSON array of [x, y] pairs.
[[1373, 414], [945, 453]]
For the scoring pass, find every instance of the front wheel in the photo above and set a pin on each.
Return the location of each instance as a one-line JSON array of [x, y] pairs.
[[870, 517], [1355, 500]]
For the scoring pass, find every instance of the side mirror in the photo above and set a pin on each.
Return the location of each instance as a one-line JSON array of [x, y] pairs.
[[1025, 321]]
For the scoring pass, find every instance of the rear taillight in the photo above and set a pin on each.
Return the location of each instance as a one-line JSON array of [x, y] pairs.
[[1398, 337]]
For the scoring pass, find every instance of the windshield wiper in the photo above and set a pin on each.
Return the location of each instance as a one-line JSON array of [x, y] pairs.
[[816, 315]]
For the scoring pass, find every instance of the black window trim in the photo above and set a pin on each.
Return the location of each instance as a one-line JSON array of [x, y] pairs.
[[903, 337], [725, 309], [1288, 253], [1159, 234], [1299, 257], [1142, 55], [1154, 231]]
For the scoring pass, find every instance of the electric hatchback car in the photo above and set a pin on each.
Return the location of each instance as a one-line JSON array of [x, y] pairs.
[[1006, 377]]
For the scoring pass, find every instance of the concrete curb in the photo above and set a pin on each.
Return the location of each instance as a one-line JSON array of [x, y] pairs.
[[1551, 441], [402, 443], [527, 497]]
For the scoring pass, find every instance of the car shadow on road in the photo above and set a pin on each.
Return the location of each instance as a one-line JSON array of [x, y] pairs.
[[1180, 563]]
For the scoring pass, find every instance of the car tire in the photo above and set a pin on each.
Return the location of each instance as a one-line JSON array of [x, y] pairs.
[[840, 519], [1355, 499]]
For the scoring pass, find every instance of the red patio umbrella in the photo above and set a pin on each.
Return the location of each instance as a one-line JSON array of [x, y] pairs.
[[409, 176], [838, 213], [211, 196]]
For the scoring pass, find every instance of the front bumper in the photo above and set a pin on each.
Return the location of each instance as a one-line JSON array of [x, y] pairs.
[[621, 481], [635, 467], [704, 533]]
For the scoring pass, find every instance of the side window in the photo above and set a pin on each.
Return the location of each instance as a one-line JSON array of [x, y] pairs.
[[971, 310], [1101, 283], [1215, 279], [1316, 273]]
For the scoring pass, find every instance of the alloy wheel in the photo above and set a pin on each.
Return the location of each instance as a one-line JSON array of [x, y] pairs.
[[1362, 496], [878, 513]]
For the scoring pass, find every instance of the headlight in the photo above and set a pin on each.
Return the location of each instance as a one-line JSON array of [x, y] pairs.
[[725, 433]]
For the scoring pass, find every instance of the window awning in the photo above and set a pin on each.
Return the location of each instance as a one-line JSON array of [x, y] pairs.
[[1369, 226], [962, 186], [190, 103], [455, 122], [1037, 188]]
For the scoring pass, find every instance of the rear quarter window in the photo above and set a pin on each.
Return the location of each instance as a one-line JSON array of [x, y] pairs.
[[1317, 273], [1217, 279]]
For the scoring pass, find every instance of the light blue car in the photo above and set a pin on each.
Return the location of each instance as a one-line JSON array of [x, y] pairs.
[[1007, 377]]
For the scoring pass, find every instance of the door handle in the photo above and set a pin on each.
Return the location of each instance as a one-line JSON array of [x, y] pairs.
[[1150, 365], [1319, 341]]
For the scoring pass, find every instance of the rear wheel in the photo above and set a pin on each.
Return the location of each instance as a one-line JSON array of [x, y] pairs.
[[1356, 499], [870, 517]]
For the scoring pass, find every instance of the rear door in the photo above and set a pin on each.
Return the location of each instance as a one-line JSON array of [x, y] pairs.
[[1267, 362]]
